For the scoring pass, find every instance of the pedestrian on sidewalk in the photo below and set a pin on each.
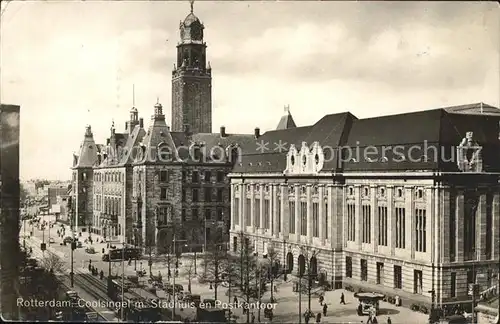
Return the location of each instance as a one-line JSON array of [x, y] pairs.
[[389, 321], [342, 299], [321, 298], [325, 308], [253, 318], [318, 318]]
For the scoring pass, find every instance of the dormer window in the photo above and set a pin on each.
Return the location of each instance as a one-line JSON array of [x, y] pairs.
[[304, 160], [292, 160], [316, 159]]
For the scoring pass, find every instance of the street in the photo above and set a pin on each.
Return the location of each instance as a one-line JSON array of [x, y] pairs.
[[286, 309]]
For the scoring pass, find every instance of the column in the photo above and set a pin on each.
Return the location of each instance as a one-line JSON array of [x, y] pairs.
[[495, 248], [252, 207], [321, 204], [409, 215], [233, 214], [374, 221], [274, 210], [309, 214], [391, 217], [297, 212], [429, 221], [242, 202], [481, 228], [285, 213], [336, 210], [445, 215], [459, 228], [358, 218], [261, 209]]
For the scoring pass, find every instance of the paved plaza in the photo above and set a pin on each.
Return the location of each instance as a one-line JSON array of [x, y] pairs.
[[286, 308]]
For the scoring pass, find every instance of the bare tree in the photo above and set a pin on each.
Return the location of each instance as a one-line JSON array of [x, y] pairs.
[[189, 272], [215, 265], [273, 269], [307, 274], [53, 263]]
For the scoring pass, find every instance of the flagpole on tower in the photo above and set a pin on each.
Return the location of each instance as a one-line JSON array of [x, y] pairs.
[[191, 3]]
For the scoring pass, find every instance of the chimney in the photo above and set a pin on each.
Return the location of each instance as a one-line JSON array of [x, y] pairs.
[[126, 125], [141, 122], [222, 131], [107, 141], [187, 129], [257, 132]]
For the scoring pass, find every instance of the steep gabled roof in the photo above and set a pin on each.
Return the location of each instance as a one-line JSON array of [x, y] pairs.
[[131, 146], [473, 109], [286, 120], [88, 151]]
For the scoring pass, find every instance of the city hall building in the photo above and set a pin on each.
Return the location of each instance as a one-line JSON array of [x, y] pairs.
[[404, 204], [149, 182]]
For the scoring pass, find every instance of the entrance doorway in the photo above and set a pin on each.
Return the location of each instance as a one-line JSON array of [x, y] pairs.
[[302, 265], [289, 262]]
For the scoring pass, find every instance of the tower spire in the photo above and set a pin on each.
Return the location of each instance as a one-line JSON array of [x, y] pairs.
[[191, 3], [133, 95]]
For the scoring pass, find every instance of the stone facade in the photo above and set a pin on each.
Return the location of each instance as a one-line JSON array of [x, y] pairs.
[[408, 233]]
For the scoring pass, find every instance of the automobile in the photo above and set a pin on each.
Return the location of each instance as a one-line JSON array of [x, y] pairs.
[[90, 250], [78, 244], [196, 299], [179, 288], [51, 240], [68, 239]]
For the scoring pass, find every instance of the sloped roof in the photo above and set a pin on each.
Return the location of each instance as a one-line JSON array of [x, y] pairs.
[[479, 108], [286, 121], [270, 153], [88, 151]]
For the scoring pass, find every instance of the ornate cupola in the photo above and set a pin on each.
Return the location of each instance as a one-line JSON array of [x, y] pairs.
[[192, 79]]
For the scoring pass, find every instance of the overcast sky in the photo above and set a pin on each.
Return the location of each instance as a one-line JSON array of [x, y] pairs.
[[69, 64]]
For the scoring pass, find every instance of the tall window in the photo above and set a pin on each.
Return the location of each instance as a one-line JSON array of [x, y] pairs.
[[453, 284], [208, 175], [220, 195], [248, 212], [400, 228], [195, 213], [256, 212], [303, 218], [489, 225], [266, 213], [208, 194], [163, 176], [453, 226], [364, 270], [325, 216], [382, 225], [195, 177], [417, 282], [469, 231], [208, 214], [291, 208], [278, 213], [351, 222], [220, 176], [348, 267], [420, 230], [398, 277], [367, 224], [195, 195], [236, 211], [220, 213], [315, 219], [163, 193]]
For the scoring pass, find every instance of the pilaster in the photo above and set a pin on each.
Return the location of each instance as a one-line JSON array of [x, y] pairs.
[[444, 225], [481, 227], [374, 218], [495, 248], [261, 210], [297, 213], [275, 221], [410, 221], [359, 220], [459, 228], [309, 214], [391, 231], [252, 207], [233, 214], [285, 212], [332, 222], [322, 225], [429, 221], [243, 196]]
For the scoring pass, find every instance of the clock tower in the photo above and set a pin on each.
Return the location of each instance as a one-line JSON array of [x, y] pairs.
[[192, 80]]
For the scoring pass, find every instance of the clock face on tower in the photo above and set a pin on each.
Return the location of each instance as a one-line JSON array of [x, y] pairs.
[[196, 33]]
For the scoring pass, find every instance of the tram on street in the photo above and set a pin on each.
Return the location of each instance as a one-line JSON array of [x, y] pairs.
[[368, 303], [122, 254]]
